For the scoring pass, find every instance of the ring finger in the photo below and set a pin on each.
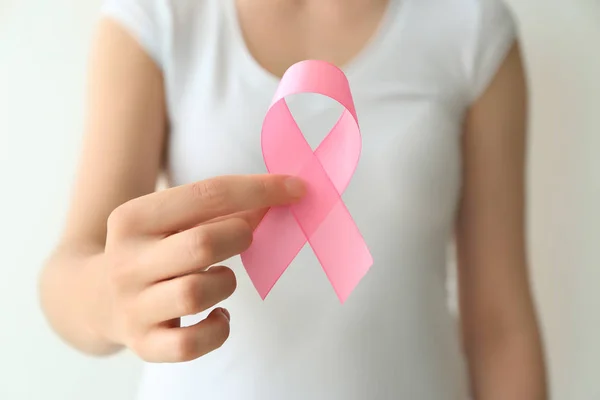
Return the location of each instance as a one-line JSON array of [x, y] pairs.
[[186, 295]]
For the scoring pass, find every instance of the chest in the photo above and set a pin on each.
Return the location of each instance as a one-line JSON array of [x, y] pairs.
[[281, 33]]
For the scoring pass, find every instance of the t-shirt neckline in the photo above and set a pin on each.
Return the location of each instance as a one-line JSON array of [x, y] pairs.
[[393, 18]]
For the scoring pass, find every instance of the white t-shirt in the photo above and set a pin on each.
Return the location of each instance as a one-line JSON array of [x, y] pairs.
[[394, 338]]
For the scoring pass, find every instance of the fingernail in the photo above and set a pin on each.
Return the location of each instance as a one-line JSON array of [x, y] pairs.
[[295, 187], [226, 314]]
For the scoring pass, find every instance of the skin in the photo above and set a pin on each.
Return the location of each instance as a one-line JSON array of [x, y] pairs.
[[131, 261]]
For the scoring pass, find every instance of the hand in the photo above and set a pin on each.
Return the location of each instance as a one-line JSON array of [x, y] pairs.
[[157, 253]]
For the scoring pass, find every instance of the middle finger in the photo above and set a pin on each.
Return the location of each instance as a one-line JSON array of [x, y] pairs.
[[196, 249]]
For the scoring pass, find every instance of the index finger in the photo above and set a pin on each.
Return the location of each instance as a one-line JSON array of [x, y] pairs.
[[185, 206]]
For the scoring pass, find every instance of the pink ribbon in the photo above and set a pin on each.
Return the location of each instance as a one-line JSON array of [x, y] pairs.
[[321, 218]]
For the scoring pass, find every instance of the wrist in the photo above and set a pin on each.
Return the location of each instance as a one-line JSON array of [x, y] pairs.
[[71, 298]]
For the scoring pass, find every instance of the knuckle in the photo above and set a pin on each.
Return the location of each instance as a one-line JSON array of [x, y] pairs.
[[201, 247], [190, 296], [262, 190], [121, 219], [211, 189], [245, 233], [121, 270], [129, 324], [119, 277], [185, 347]]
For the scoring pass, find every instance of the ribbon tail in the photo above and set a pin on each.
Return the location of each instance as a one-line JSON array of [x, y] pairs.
[[341, 250], [277, 241]]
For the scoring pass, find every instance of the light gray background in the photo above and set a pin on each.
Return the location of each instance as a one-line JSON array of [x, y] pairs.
[[43, 56]]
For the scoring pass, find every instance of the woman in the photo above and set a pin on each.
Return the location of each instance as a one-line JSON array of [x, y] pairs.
[[184, 85]]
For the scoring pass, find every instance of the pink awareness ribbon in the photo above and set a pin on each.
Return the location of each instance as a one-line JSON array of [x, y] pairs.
[[321, 217]]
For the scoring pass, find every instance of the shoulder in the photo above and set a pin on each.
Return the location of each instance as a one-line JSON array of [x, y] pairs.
[[473, 21], [489, 18], [495, 32], [464, 12], [474, 11], [457, 44], [480, 34], [154, 23]]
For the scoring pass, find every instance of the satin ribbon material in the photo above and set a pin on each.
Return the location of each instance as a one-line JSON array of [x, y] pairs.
[[321, 217]]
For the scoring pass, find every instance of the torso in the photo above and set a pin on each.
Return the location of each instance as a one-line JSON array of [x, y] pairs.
[[394, 337]]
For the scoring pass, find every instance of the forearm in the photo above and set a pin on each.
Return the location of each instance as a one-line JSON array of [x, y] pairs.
[[507, 365], [71, 293]]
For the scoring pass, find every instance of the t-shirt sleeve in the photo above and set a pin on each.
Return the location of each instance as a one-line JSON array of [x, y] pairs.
[[496, 32], [144, 20]]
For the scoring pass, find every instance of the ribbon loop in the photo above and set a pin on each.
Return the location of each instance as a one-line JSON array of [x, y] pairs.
[[321, 218]]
